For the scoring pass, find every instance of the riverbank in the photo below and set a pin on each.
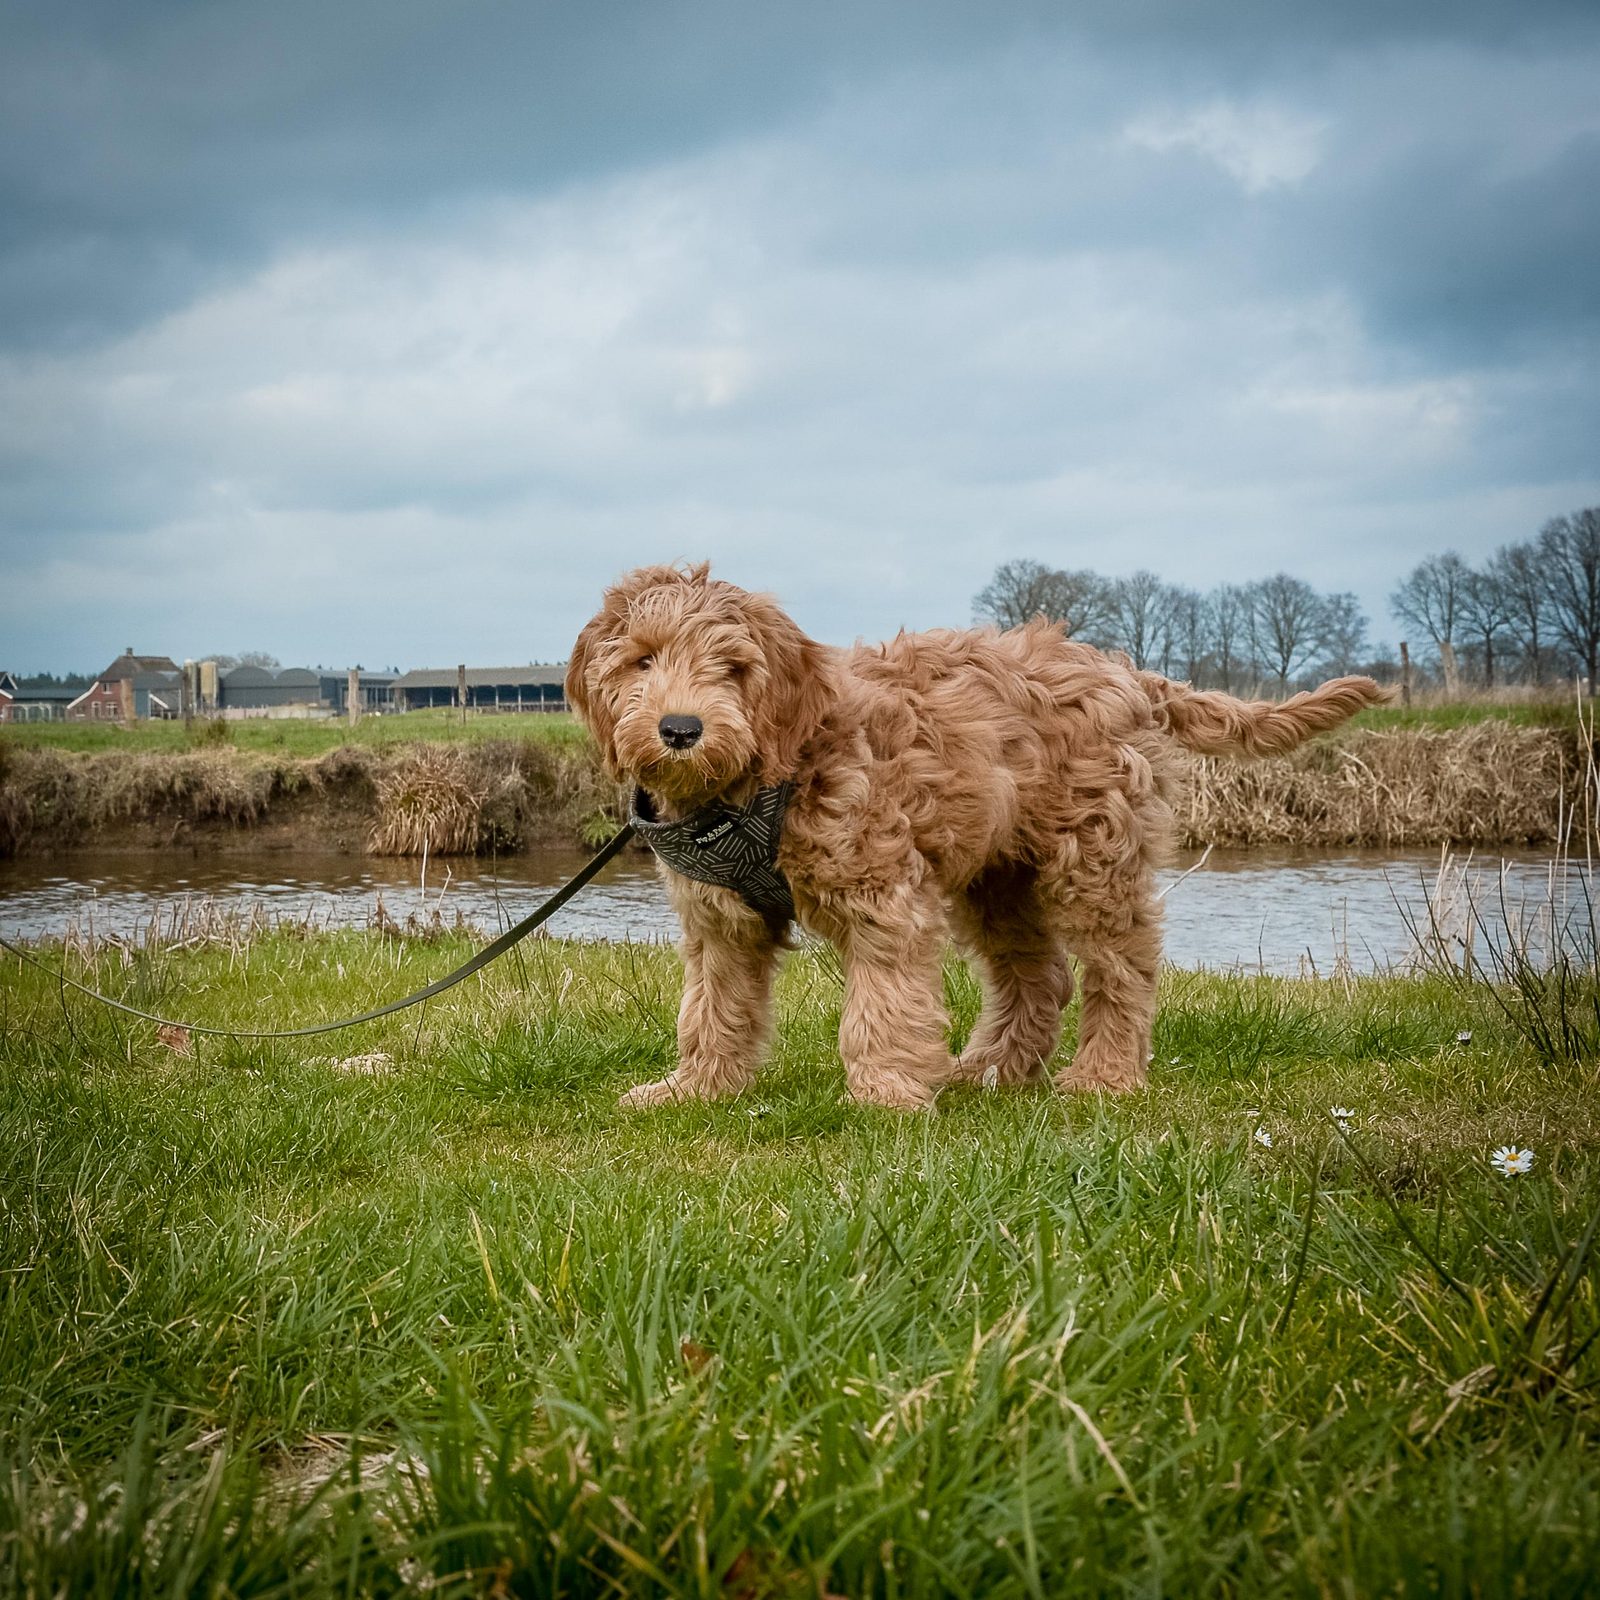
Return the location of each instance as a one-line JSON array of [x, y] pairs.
[[472, 795], [472, 789], [418, 1307]]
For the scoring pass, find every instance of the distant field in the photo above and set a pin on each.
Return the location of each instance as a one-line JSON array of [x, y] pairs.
[[1521, 714], [293, 736], [783, 1346]]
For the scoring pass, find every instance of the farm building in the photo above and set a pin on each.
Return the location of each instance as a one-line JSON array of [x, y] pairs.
[[247, 688], [533, 688], [131, 687], [377, 691], [24, 701]]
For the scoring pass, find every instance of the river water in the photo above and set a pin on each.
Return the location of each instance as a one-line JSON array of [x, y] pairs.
[[1271, 911]]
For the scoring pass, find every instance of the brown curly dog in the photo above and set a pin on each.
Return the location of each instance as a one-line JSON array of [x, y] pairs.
[[1011, 788]]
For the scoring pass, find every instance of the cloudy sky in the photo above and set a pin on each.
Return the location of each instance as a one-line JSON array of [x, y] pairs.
[[389, 330]]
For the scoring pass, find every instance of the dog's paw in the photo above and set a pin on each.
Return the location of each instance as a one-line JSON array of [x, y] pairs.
[[1075, 1080], [994, 1071], [896, 1093], [658, 1093]]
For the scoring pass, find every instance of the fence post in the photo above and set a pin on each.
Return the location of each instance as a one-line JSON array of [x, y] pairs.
[[1405, 674], [1447, 660], [352, 697], [461, 691]]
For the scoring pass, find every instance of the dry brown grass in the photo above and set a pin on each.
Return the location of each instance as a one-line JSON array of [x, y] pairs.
[[51, 798], [1485, 783], [430, 802], [449, 798]]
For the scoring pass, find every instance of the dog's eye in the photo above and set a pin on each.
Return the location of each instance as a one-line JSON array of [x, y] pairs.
[[643, 664]]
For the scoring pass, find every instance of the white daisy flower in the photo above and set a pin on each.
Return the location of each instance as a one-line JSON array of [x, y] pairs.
[[1263, 1138], [1465, 1036], [1343, 1115], [1511, 1161]]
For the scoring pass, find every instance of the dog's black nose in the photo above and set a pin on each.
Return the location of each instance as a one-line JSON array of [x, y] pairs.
[[681, 732]]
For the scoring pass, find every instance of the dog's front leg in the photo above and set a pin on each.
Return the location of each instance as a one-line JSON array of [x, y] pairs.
[[729, 955], [892, 1030]]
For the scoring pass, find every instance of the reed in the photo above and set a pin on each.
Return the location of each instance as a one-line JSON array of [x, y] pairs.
[[430, 801], [1488, 782], [1538, 958], [1491, 782], [401, 800]]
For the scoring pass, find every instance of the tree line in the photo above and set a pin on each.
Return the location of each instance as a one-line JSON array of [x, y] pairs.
[[1530, 614], [1238, 637]]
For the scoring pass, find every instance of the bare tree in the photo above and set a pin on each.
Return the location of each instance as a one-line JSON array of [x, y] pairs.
[[1023, 590], [1138, 613], [1569, 551], [1344, 627], [1188, 632], [1228, 609], [1517, 570], [246, 658], [1289, 622], [1429, 599], [1018, 592], [1485, 611], [1080, 602]]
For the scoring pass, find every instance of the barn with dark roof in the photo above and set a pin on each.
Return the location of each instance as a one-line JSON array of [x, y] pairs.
[[248, 688], [532, 688]]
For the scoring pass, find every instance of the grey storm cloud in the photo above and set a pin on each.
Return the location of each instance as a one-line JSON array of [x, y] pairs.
[[147, 148], [859, 299]]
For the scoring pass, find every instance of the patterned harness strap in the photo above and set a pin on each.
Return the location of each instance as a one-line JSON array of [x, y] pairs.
[[733, 847]]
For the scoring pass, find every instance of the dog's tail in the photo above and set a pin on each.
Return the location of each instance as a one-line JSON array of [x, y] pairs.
[[1218, 724]]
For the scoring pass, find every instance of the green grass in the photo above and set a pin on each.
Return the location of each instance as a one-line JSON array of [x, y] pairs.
[[305, 738], [1553, 713], [268, 1326], [292, 736]]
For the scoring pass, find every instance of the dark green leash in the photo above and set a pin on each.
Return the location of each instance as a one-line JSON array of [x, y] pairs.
[[490, 952]]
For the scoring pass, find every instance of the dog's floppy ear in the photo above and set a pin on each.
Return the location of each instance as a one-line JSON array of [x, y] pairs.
[[797, 691], [590, 706]]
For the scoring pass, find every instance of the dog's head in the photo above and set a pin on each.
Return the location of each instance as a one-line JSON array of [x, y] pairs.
[[690, 684]]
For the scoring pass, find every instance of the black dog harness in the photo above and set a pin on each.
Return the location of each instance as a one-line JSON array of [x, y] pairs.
[[733, 847]]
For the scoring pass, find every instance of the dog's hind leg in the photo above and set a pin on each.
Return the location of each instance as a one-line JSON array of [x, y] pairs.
[[1119, 943], [1027, 980], [729, 957]]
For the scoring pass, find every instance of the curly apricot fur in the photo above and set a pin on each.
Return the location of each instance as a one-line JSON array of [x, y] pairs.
[[1010, 788]]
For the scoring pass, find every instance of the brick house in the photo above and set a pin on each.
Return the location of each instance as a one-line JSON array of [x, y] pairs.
[[131, 687]]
